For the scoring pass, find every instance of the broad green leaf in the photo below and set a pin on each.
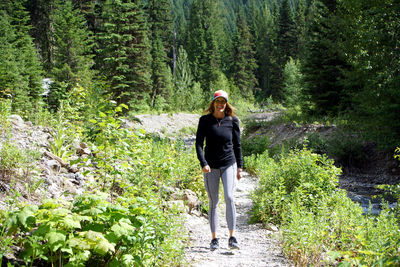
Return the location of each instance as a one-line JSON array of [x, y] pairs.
[[124, 106], [70, 222], [102, 114], [67, 250], [27, 215], [55, 240], [79, 259], [78, 244], [42, 230], [102, 247], [92, 121], [128, 260], [122, 228], [61, 212]]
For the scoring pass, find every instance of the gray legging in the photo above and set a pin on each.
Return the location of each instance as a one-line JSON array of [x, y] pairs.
[[211, 182]]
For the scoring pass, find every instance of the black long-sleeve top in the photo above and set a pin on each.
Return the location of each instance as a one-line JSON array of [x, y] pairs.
[[222, 138]]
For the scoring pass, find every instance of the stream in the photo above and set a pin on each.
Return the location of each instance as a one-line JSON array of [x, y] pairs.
[[360, 189]]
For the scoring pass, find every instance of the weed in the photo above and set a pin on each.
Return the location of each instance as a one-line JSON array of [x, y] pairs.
[[59, 146]]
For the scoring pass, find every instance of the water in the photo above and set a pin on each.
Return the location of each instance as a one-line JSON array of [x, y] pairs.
[[364, 192]]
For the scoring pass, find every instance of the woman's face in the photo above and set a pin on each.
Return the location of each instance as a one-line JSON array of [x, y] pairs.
[[220, 104]]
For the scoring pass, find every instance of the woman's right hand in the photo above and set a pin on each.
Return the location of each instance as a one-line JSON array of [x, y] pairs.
[[206, 169]]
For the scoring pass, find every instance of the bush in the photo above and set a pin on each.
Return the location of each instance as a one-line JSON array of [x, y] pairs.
[[93, 230], [320, 224], [15, 162], [300, 177], [255, 145]]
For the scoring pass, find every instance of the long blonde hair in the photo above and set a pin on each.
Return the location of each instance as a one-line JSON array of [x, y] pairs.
[[229, 109]]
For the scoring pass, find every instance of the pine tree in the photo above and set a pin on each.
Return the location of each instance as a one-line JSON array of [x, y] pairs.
[[187, 95], [161, 32], [27, 87], [203, 50], [265, 33], [373, 82], [286, 46], [42, 30], [244, 64], [123, 54], [324, 63], [72, 45], [11, 80], [300, 27], [161, 74]]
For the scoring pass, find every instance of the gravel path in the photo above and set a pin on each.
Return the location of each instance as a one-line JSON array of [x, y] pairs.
[[257, 245]]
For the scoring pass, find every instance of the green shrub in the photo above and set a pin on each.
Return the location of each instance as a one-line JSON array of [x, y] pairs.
[[300, 177], [255, 145], [320, 224], [5, 111], [13, 160], [129, 231]]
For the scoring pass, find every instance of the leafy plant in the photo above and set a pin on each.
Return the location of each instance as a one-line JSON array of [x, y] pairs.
[[13, 159], [255, 145], [5, 111], [59, 145], [319, 223], [301, 177]]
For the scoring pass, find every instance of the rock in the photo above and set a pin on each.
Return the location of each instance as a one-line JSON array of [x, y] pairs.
[[69, 186], [53, 165], [191, 199], [54, 190], [17, 121], [74, 168], [83, 149], [79, 177], [271, 227]]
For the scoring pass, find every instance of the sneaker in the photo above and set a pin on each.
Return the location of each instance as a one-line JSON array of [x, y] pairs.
[[214, 244], [232, 243]]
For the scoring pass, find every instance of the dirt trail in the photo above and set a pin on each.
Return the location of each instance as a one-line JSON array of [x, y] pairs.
[[258, 247]]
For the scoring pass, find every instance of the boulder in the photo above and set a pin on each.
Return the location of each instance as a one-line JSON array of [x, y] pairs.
[[192, 201], [17, 121]]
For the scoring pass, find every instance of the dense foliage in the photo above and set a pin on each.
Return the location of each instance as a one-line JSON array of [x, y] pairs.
[[122, 219], [321, 57], [319, 223]]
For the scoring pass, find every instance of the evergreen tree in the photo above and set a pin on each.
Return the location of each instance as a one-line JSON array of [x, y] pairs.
[[123, 54], [244, 64], [300, 27], [161, 31], [72, 43], [286, 46], [11, 80], [265, 33], [371, 42], [161, 74], [27, 77], [42, 30], [188, 95], [203, 51], [324, 63]]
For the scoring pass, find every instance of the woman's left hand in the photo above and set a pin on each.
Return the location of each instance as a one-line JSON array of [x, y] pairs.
[[239, 173]]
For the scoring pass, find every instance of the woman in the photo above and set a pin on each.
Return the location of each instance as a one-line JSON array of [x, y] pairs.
[[222, 159]]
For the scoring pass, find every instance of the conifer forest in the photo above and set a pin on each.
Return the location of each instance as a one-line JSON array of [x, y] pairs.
[[82, 68]]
